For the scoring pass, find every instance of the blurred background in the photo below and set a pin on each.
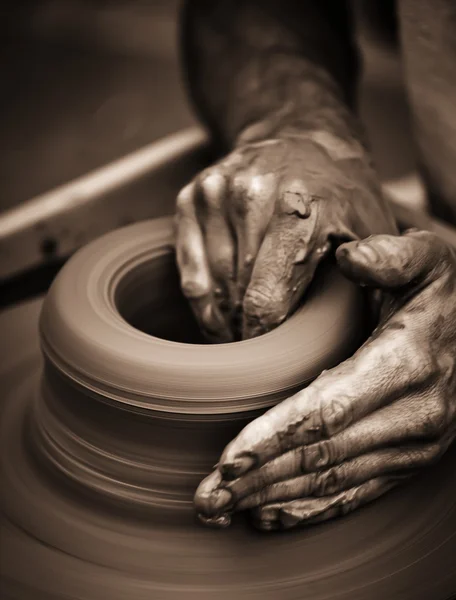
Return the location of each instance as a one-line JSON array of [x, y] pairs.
[[86, 82]]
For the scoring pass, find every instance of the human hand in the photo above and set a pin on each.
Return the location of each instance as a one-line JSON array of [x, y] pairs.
[[361, 428], [252, 229]]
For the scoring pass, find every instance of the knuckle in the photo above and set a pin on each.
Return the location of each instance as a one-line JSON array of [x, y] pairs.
[[336, 415], [350, 500], [184, 199], [248, 190], [415, 458], [418, 360], [241, 183], [409, 458], [260, 186], [212, 184], [438, 249], [329, 482], [435, 452], [435, 418], [256, 301], [193, 288], [430, 455], [262, 308], [447, 366], [257, 481], [263, 495], [317, 456], [428, 237], [426, 364]]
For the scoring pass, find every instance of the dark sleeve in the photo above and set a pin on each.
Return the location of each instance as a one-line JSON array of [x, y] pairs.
[[235, 55]]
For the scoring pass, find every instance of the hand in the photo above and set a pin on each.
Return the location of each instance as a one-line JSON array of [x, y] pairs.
[[361, 428], [252, 229]]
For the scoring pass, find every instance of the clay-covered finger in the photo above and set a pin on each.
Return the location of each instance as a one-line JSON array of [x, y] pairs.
[[346, 475], [402, 422], [251, 206], [221, 255], [389, 261], [212, 501], [195, 275], [218, 237], [309, 511], [291, 250], [380, 372]]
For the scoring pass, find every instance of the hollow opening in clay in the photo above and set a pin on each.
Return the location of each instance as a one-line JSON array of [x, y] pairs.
[[149, 298]]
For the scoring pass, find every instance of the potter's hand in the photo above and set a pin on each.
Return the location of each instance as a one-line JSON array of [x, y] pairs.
[[252, 229], [364, 426]]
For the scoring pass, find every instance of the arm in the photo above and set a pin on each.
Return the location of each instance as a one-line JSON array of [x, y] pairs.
[[366, 425], [258, 67], [275, 82]]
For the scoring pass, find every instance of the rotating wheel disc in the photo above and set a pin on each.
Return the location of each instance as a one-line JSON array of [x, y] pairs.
[[65, 537]]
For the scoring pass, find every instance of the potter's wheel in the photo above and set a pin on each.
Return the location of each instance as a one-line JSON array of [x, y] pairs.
[[97, 487]]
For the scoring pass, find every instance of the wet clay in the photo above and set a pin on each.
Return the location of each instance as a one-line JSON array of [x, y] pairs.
[[112, 411]]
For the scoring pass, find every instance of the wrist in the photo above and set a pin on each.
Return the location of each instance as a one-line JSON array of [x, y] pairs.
[[297, 98], [339, 141]]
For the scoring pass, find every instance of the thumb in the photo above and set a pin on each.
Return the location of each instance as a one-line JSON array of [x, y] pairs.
[[393, 261]]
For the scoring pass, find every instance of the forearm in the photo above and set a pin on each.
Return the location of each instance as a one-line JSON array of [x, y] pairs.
[[258, 69]]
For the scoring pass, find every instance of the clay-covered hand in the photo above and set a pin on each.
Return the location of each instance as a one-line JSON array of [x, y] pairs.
[[252, 229], [364, 426]]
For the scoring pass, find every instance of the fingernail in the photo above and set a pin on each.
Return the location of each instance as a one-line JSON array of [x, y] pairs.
[[301, 256], [219, 522], [239, 466], [289, 519], [342, 252], [316, 456], [367, 253], [221, 499], [268, 525], [296, 203], [266, 513], [214, 502], [204, 495]]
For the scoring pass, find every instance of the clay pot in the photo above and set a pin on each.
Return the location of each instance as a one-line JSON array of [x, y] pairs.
[[134, 407], [103, 442]]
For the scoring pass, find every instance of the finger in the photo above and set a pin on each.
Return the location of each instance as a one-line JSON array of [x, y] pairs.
[[212, 502], [196, 280], [309, 511], [286, 261], [390, 365], [218, 237], [407, 420], [346, 475], [251, 206], [389, 261]]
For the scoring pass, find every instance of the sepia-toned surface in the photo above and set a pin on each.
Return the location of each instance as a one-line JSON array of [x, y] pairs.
[[101, 456], [96, 493], [59, 544]]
